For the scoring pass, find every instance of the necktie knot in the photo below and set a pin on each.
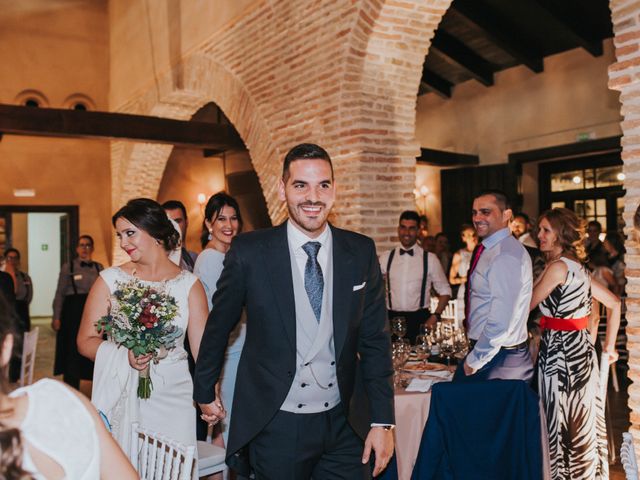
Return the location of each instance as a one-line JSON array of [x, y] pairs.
[[409, 252], [311, 249]]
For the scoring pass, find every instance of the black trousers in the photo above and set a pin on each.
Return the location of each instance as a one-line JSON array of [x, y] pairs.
[[413, 320], [300, 446]]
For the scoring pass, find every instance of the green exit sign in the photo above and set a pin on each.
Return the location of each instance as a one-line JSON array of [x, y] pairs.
[[585, 136], [44, 247]]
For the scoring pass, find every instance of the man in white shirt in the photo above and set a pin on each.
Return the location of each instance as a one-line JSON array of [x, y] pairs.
[[499, 283], [410, 272], [521, 229]]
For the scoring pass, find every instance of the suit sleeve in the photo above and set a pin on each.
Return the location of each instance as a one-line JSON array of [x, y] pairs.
[[374, 346], [225, 314]]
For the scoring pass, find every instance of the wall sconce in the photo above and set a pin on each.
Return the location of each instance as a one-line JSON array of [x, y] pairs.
[[202, 199], [421, 194]]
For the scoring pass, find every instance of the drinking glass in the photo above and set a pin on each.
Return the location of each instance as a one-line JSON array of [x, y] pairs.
[[399, 327]]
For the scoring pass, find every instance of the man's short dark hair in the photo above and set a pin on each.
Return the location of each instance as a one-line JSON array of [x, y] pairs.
[[305, 151], [501, 198], [174, 205], [595, 223], [524, 216], [410, 215]]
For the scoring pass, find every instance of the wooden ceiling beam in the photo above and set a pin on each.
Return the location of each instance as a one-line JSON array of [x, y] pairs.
[[481, 16], [569, 19], [435, 83], [458, 53], [441, 158], [53, 122]]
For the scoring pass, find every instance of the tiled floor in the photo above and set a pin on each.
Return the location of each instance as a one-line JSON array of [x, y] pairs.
[[617, 401]]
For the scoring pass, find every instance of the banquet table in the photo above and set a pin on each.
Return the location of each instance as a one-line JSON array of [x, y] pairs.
[[412, 410]]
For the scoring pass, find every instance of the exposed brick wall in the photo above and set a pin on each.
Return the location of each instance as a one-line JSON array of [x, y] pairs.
[[343, 74], [624, 75]]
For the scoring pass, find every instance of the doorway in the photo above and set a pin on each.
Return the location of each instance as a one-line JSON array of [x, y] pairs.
[[43, 235]]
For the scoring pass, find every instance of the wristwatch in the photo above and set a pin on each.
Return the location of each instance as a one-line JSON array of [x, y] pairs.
[[389, 427]]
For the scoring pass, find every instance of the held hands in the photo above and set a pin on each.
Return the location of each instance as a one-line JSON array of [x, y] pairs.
[[213, 412], [139, 363], [381, 442], [467, 369]]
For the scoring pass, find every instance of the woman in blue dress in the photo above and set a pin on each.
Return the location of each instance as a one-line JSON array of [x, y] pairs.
[[222, 222]]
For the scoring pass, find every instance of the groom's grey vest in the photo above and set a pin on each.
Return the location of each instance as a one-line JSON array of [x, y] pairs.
[[315, 385]]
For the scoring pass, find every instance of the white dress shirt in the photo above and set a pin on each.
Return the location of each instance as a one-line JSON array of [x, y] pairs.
[[406, 279], [499, 298]]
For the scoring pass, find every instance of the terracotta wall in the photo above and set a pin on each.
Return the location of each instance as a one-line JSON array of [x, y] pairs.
[[59, 49]]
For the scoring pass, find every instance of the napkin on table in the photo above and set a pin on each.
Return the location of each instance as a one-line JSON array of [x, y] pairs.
[[419, 385]]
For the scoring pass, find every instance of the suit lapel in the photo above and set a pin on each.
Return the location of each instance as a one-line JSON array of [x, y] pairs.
[[278, 262], [342, 288]]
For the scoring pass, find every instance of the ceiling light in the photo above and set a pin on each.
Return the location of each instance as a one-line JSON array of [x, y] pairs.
[[577, 179], [620, 176], [24, 192]]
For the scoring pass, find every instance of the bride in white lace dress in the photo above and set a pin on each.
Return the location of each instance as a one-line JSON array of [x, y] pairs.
[[147, 236]]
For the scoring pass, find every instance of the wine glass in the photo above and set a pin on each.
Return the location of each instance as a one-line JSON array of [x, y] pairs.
[[399, 327]]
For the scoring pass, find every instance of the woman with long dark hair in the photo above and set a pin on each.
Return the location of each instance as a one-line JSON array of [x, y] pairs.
[[147, 236], [222, 222], [568, 373]]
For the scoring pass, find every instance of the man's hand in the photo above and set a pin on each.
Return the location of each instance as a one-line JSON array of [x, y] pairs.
[[55, 324], [212, 412], [467, 369], [431, 321], [381, 442]]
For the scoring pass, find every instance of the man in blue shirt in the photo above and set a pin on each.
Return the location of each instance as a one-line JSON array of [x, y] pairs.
[[499, 286]]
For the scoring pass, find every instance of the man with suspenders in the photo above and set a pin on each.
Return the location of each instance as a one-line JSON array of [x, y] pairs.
[[410, 273]]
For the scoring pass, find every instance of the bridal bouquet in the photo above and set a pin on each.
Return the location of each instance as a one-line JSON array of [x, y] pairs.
[[141, 319]]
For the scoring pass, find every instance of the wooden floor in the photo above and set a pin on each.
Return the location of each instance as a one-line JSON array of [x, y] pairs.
[[617, 402]]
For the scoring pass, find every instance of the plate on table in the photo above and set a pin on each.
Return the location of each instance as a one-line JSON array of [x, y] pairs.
[[423, 367]]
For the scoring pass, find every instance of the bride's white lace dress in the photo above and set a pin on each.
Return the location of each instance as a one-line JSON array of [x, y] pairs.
[[170, 410]]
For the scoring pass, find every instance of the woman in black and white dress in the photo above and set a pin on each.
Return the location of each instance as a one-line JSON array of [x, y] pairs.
[[568, 373]]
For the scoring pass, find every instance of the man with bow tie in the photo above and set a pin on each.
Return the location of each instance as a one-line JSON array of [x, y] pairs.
[[75, 280], [410, 273]]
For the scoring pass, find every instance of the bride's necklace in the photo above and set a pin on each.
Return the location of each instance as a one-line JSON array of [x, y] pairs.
[[134, 273]]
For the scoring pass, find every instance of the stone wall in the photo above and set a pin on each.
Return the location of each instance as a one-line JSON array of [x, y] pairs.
[[624, 75]]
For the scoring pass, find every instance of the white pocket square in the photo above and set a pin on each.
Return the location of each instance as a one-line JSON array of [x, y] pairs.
[[359, 287]]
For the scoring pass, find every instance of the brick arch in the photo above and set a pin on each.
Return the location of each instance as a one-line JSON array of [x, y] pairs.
[[388, 43]]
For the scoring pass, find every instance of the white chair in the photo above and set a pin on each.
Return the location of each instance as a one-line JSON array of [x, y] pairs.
[[211, 457], [628, 457], [157, 457], [28, 356]]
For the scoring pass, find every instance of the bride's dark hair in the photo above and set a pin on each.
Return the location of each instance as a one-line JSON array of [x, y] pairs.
[[11, 447], [148, 215]]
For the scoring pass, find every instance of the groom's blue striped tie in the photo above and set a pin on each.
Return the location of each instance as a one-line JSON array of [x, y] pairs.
[[313, 280]]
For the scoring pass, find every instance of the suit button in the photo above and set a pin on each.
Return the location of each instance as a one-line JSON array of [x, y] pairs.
[[333, 363], [331, 384], [326, 404], [300, 405], [307, 364], [303, 385]]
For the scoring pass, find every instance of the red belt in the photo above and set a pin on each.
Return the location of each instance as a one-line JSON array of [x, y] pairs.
[[564, 323]]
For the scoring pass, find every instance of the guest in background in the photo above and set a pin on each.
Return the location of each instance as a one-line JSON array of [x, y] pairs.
[[568, 373], [521, 229], [24, 294], [410, 272], [178, 213], [222, 222], [462, 261], [614, 246], [442, 251], [498, 294], [50, 431], [593, 243], [429, 244], [75, 280]]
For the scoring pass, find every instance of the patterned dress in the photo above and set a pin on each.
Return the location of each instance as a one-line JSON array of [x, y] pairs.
[[568, 383]]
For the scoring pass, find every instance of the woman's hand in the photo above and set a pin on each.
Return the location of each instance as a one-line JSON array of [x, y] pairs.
[[612, 355], [141, 362]]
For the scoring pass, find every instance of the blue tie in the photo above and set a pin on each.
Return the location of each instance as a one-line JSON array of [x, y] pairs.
[[313, 281]]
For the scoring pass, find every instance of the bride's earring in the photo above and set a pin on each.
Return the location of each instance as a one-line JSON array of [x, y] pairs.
[[210, 234]]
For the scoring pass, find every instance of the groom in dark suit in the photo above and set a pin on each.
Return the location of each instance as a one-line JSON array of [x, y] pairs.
[[315, 323]]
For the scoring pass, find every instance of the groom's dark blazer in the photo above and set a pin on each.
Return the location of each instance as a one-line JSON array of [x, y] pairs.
[[257, 274]]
